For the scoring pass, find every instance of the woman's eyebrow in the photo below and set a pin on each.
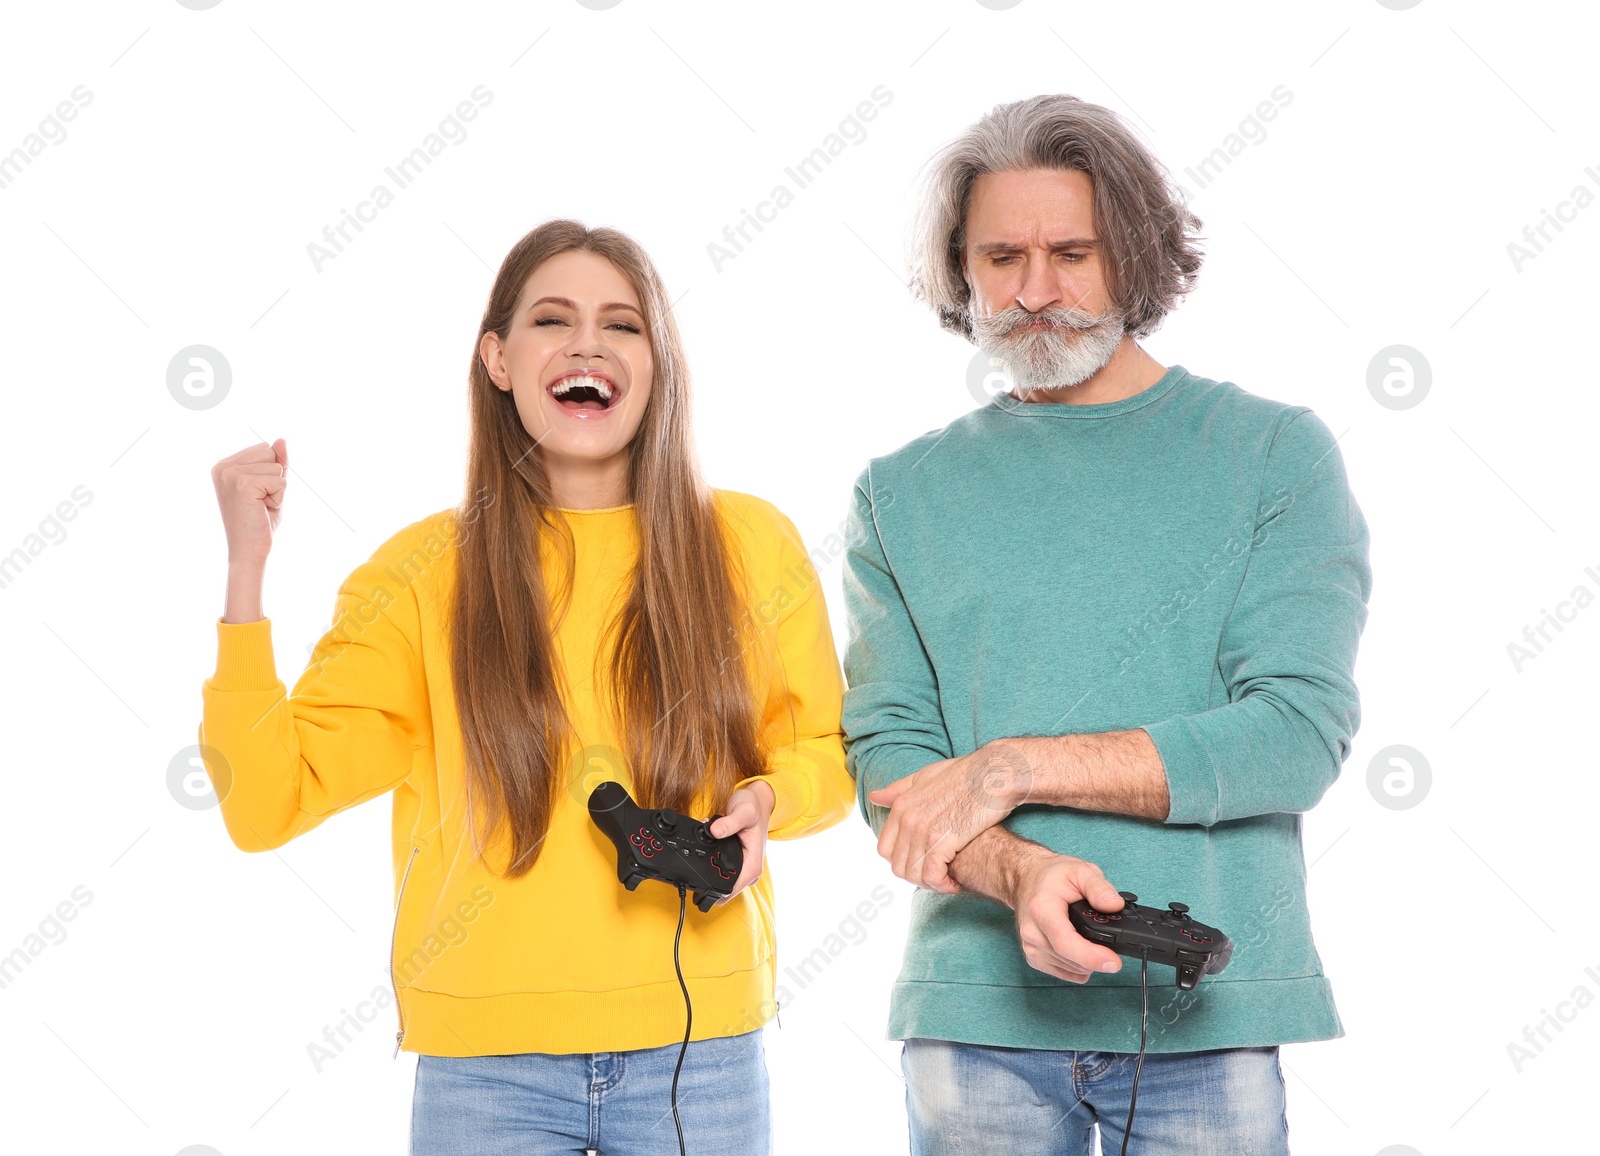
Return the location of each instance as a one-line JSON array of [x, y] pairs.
[[571, 304]]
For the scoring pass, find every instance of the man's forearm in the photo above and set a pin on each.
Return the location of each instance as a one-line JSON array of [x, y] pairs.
[[993, 863], [1117, 771]]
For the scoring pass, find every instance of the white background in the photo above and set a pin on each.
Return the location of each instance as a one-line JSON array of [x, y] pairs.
[[1377, 210]]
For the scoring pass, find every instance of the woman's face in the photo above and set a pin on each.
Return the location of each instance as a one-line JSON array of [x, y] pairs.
[[576, 359]]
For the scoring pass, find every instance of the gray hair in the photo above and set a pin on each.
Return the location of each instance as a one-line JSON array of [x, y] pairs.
[[1147, 235]]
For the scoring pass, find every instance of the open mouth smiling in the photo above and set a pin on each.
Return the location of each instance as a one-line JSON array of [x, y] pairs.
[[584, 392]]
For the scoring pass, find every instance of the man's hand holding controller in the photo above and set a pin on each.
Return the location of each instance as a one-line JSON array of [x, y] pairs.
[[942, 833]]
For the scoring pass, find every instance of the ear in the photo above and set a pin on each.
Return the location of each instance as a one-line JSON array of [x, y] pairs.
[[492, 353]]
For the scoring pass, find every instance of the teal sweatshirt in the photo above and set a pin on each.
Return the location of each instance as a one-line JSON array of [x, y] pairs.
[[1189, 561]]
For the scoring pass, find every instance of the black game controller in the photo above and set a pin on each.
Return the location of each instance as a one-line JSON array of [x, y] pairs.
[[667, 846], [1168, 937]]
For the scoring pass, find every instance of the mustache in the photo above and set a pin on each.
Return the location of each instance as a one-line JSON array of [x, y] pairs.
[[1004, 322]]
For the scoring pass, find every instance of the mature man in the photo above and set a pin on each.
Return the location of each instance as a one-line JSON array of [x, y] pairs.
[[1101, 628]]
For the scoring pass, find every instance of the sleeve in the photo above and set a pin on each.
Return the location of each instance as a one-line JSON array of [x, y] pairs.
[[892, 721], [800, 722], [1287, 649], [281, 763]]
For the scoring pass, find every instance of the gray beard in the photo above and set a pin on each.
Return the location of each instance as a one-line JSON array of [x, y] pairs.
[[1072, 349]]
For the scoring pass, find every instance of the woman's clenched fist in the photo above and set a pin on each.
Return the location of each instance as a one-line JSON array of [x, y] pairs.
[[250, 486]]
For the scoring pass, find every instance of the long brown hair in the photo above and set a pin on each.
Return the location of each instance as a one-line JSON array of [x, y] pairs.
[[679, 677]]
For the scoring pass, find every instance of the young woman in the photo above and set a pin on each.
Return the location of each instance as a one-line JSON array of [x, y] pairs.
[[592, 611]]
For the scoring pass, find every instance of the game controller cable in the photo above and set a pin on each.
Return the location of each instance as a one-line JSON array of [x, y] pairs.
[[688, 1012], [665, 845], [1171, 937], [1144, 1029]]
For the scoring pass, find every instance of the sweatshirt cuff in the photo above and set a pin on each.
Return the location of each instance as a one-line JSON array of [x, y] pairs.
[[888, 764], [244, 656], [1192, 784], [791, 796], [891, 763]]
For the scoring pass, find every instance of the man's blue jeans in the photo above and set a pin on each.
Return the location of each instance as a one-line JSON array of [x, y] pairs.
[[964, 1099], [615, 1103]]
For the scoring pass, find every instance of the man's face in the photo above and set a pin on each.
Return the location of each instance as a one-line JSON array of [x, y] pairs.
[[1039, 300]]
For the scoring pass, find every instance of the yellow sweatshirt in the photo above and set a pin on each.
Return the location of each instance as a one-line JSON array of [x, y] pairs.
[[563, 959]]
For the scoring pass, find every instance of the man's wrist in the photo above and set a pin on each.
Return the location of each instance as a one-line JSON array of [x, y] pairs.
[[1028, 769], [997, 864], [1118, 771], [1019, 862]]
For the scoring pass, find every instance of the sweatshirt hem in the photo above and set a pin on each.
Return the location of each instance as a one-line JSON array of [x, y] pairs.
[[570, 1022], [1216, 1014]]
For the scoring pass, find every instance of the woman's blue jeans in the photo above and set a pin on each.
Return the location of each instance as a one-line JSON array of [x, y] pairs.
[[613, 1103]]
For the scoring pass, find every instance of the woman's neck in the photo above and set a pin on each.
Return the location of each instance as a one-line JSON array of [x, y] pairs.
[[587, 483]]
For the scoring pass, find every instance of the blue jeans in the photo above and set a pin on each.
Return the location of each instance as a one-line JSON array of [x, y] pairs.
[[614, 1103], [966, 1098]]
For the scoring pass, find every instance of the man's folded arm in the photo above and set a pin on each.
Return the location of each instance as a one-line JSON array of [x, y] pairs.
[[1287, 650]]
